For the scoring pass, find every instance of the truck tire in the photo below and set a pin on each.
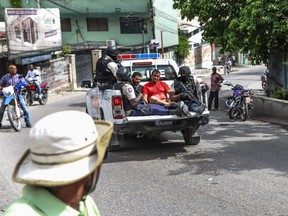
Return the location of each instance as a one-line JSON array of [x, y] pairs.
[[189, 138], [115, 142]]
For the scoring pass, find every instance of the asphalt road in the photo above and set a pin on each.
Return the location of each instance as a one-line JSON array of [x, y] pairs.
[[238, 168]]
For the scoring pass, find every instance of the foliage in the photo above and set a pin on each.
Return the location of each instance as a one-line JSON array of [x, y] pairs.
[[15, 3], [66, 50], [251, 26], [283, 95], [182, 50]]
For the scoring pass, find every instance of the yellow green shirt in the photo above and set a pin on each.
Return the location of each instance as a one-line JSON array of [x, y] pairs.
[[37, 201]]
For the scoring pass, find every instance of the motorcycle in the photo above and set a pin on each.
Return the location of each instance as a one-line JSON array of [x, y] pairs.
[[14, 111], [264, 79], [227, 68], [31, 94], [240, 102]]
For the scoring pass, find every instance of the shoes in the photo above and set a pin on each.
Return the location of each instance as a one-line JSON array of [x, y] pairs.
[[182, 110], [201, 109], [215, 109], [28, 124], [185, 110]]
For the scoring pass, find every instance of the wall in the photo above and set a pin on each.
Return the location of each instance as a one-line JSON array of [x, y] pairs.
[[56, 74], [200, 57], [265, 106]]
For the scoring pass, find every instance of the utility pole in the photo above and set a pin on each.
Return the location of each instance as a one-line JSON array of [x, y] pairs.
[[162, 45]]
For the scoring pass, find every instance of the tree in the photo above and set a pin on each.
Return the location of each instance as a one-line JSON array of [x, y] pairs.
[[182, 50], [251, 26]]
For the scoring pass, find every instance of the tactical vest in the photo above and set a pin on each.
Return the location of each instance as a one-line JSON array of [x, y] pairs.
[[103, 74], [189, 84], [126, 103]]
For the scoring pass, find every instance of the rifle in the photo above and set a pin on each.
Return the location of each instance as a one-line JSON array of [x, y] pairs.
[[190, 95]]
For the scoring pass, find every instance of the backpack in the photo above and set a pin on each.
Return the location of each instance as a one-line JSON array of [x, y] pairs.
[[103, 74]]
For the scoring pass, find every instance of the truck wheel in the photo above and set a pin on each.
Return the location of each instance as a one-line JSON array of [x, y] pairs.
[[189, 138], [115, 142]]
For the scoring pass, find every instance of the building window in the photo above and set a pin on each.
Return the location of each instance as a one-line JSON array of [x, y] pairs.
[[66, 25], [132, 25], [97, 24]]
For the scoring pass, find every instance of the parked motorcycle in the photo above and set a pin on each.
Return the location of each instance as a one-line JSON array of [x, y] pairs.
[[240, 102], [32, 95], [14, 111], [264, 79]]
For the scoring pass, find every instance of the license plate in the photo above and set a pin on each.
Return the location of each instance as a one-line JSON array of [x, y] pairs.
[[248, 99], [163, 122]]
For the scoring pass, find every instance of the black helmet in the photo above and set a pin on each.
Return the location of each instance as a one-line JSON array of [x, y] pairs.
[[214, 68], [123, 74], [112, 51], [184, 70]]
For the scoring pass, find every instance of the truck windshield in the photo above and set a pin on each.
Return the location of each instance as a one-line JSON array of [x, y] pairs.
[[167, 71]]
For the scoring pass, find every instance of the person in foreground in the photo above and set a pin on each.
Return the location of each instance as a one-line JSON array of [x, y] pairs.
[[62, 165]]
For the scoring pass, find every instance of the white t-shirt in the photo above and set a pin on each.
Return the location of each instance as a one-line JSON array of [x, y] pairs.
[[35, 74]]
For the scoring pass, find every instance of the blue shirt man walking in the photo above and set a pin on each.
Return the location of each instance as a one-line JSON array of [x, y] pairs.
[[12, 78]]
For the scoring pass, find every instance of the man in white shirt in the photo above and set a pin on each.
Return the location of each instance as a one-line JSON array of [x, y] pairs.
[[35, 75]]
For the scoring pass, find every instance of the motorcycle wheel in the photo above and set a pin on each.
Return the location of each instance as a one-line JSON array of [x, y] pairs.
[[14, 120], [244, 111], [44, 99], [234, 113], [27, 99]]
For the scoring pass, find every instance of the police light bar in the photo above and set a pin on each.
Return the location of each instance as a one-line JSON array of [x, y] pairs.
[[139, 56]]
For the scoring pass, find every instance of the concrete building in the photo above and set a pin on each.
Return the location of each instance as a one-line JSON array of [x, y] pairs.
[[134, 26]]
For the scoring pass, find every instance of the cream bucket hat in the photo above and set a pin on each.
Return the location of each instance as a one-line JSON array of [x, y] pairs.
[[64, 147]]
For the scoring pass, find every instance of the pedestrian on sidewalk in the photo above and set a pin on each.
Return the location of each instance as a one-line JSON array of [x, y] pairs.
[[216, 79], [62, 165]]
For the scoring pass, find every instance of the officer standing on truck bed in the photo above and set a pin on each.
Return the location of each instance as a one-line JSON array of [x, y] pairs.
[[106, 68]]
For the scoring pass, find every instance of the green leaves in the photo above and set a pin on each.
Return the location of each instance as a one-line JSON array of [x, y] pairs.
[[15, 3], [253, 26], [182, 50]]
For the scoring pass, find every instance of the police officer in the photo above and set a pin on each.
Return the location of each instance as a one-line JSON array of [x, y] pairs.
[[106, 67], [184, 89]]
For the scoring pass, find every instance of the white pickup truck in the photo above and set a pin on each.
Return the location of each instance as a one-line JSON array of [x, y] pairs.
[[108, 105]]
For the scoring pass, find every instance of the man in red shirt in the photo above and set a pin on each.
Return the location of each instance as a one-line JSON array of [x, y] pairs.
[[216, 79], [156, 91]]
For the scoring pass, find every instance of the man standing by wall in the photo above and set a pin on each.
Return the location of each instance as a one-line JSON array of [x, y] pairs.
[[216, 79]]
